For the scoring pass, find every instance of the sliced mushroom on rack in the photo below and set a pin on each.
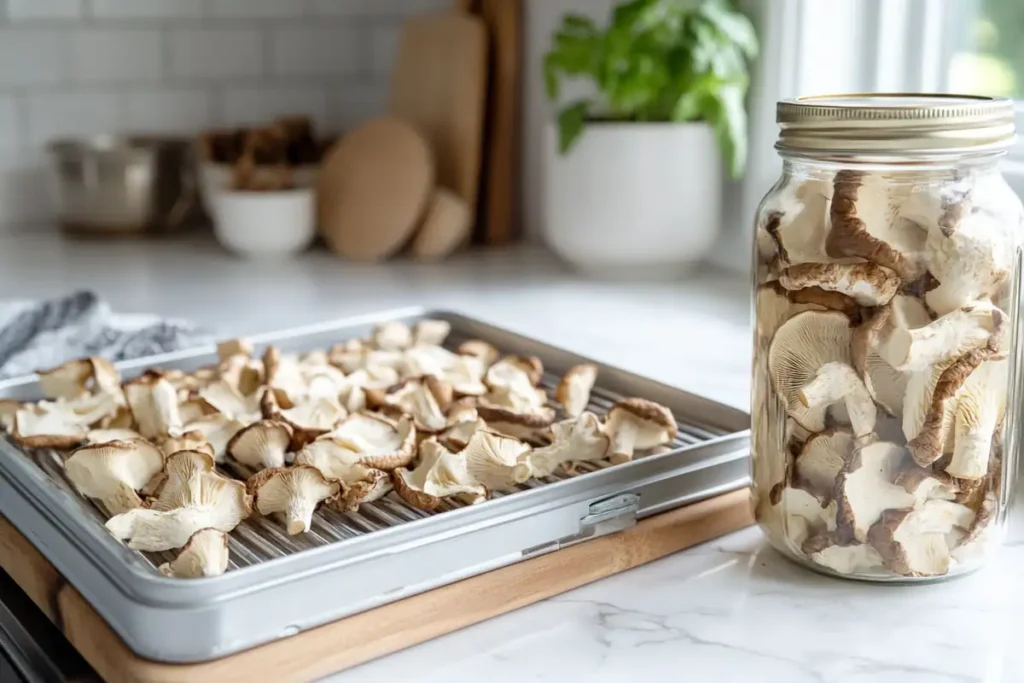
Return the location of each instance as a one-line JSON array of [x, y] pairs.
[[431, 332], [636, 424], [261, 445], [95, 436], [440, 474], [532, 425], [154, 405], [194, 497], [582, 439], [205, 554], [113, 473], [56, 427], [478, 348], [392, 336], [217, 431], [8, 409], [573, 391], [292, 492], [492, 457], [426, 399], [374, 485]]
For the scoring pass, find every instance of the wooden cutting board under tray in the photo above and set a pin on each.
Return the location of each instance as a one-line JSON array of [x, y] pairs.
[[360, 638]]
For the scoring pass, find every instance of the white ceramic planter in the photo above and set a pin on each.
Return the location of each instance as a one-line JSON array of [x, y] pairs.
[[634, 199]]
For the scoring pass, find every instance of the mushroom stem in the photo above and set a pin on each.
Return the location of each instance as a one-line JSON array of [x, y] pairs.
[[299, 515], [623, 439], [951, 335], [836, 382], [521, 472]]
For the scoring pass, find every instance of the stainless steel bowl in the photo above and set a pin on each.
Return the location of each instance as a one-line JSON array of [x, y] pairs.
[[122, 185]]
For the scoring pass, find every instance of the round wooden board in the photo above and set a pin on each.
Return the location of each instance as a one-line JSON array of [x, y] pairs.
[[373, 188], [445, 227]]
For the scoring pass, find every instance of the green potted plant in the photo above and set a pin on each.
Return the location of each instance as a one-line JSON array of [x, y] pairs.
[[634, 169]]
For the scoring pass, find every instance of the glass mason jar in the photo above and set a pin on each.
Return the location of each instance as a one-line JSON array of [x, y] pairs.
[[886, 345]]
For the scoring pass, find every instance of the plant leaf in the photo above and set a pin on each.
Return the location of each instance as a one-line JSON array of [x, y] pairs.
[[571, 121], [731, 24]]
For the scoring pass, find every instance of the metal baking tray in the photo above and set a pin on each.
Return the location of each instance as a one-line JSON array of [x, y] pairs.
[[279, 585]]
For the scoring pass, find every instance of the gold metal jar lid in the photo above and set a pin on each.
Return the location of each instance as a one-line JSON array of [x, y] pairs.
[[887, 126]]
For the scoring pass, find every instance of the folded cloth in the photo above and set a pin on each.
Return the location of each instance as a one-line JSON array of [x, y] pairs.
[[35, 335]]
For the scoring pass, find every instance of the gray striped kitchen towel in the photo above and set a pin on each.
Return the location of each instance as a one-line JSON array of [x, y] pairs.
[[36, 335]]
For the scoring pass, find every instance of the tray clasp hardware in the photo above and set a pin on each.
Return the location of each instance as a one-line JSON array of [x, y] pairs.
[[605, 516]]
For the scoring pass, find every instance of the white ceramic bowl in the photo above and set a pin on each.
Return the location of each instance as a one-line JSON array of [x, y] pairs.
[[215, 178], [265, 224]]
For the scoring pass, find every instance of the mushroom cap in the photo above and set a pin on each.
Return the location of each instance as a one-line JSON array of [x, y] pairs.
[[886, 385], [980, 407], [478, 348], [800, 348], [491, 458], [111, 472], [515, 424], [573, 391], [393, 335], [913, 542], [381, 443], [511, 369], [153, 402], [373, 486], [820, 460], [205, 554], [335, 459], [228, 401], [464, 373], [804, 514], [8, 408], [310, 420], [797, 220], [975, 326], [284, 375], [230, 348], [217, 429], [925, 484], [865, 488], [773, 307], [424, 398], [261, 445], [582, 439], [71, 380], [439, 474], [866, 223], [430, 332], [843, 559], [657, 424], [456, 437], [867, 284], [294, 491]]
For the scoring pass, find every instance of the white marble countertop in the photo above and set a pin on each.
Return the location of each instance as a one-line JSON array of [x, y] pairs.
[[729, 610]]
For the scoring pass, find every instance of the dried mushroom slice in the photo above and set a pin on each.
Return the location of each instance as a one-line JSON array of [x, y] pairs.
[[392, 336], [865, 488], [800, 348], [425, 399], [914, 542], [440, 474], [112, 472], [464, 373], [513, 370], [216, 429], [866, 223], [926, 484], [455, 437], [429, 332], [578, 440], [868, 284], [293, 492], [946, 397], [373, 486], [107, 435], [261, 445], [821, 458], [638, 424], [835, 382], [309, 420], [972, 327], [72, 380], [154, 405], [34, 428], [805, 515], [797, 221], [525, 426], [283, 374], [382, 443], [336, 459], [885, 384], [824, 550], [480, 349], [193, 498], [973, 544], [491, 459], [774, 307], [187, 441], [233, 348], [573, 391], [230, 402], [205, 554]]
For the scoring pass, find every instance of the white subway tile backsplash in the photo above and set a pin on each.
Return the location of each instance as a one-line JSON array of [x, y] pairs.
[[310, 51], [384, 51], [105, 55], [376, 7], [183, 111], [147, 9], [352, 104], [18, 10], [341, 8], [52, 115], [255, 8], [241, 106], [206, 53], [32, 57]]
